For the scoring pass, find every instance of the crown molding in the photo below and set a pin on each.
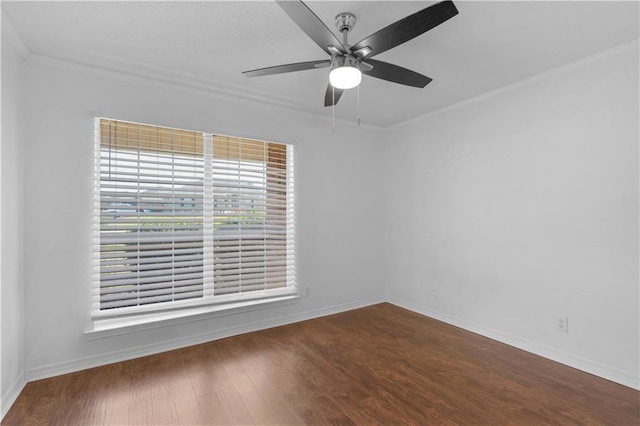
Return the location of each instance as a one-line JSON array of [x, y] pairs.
[[9, 32], [105, 66], [634, 44], [141, 74]]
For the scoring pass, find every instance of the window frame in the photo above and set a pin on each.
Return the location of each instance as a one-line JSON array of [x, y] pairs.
[[132, 315]]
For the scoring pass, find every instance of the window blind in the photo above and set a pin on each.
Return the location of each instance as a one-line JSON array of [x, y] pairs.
[[187, 218]]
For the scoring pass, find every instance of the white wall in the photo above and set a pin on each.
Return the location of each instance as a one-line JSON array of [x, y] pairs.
[[337, 202], [523, 206], [11, 289]]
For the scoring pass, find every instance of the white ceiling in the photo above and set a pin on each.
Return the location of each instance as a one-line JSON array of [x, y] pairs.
[[208, 44]]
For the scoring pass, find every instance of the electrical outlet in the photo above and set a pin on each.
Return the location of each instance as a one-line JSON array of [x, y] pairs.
[[562, 324], [434, 291], [306, 291]]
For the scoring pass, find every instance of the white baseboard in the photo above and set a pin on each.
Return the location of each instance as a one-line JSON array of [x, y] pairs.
[[140, 351], [11, 395], [606, 372]]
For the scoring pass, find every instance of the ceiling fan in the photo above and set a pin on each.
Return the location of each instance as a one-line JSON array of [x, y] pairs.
[[349, 62]]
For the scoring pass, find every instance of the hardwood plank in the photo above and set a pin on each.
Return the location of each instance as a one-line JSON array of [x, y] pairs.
[[259, 410], [116, 393], [143, 372], [376, 365], [209, 409]]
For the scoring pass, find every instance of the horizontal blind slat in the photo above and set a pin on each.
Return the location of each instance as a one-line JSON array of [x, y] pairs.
[[164, 217]]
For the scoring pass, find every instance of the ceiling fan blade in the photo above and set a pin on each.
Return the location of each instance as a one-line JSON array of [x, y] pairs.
[[311, 25], [279, 69], [396, 74], [407, 28], [329, 95]]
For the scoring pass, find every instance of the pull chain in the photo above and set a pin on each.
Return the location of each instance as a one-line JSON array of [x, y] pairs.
[[358, 92], [333, 108]]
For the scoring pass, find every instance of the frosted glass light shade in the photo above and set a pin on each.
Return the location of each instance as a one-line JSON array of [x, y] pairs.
[[345, 77]]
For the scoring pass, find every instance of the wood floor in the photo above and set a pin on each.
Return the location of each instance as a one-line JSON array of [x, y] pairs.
[[376, 365]]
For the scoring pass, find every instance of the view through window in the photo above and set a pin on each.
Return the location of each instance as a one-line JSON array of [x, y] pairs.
[[188, 218]]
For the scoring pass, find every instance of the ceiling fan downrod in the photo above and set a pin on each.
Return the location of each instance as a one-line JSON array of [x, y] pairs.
[[345, 22]]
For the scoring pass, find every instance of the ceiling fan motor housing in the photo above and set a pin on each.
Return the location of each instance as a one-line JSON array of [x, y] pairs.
[[345, 61], [345, 21]]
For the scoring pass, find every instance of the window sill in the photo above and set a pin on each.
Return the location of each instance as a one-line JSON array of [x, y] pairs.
[[115, 327]]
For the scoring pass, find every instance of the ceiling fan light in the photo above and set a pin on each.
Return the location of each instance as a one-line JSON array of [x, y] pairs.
[[345, 72], [345, 77]]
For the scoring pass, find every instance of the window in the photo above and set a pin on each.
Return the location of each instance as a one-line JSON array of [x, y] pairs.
[[185, 219]]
